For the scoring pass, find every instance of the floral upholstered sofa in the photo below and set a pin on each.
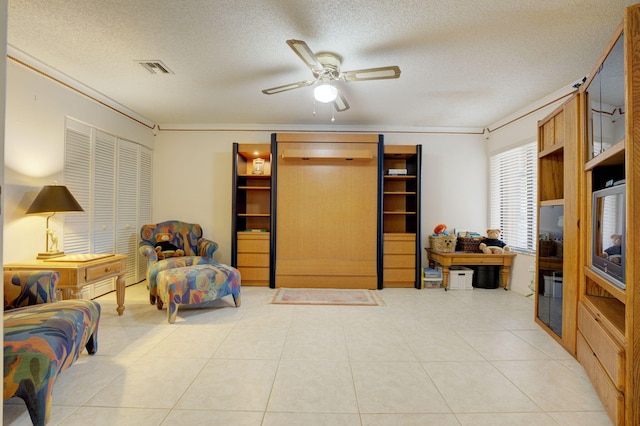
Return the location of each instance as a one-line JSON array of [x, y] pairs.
[[184, 247], [42, 337]]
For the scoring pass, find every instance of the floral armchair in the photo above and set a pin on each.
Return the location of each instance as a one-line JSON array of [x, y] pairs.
[[173, 244]]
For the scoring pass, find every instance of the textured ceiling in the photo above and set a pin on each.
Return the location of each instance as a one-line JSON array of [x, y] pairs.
[[465, 63]]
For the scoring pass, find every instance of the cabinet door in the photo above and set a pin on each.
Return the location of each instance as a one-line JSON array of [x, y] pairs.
[[104, 193], [145, 176], [77, 176], [127, 206]]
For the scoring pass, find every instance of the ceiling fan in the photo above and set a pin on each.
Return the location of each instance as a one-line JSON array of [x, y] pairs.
[[325, 67]]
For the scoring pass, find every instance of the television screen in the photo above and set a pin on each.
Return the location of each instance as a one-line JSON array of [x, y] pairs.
[[608, 244]]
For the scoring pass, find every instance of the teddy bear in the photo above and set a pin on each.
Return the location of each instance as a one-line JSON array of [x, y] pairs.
[[164, 247], [493, 244], [614, 252]]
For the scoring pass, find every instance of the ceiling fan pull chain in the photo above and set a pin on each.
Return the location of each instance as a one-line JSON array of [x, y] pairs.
[[333, 115], [314, 107]]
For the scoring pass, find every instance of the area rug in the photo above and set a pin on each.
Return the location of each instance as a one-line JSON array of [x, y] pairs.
[[326, 296]]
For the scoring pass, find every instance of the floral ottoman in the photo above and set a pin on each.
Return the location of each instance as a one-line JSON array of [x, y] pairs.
[[196, 284], [40, 341]]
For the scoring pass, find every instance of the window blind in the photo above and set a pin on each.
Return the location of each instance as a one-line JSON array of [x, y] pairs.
[[513, 189]]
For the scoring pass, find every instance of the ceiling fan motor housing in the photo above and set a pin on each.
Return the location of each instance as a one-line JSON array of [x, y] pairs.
[[330, 63]]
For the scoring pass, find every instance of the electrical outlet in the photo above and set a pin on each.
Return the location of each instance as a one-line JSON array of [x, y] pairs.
[[532, 268]]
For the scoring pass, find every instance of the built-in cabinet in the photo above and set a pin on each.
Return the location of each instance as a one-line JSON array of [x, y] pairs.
[[322, 210], [558, 233], [251, 227], [608, 337], [401, 216], [111, 179]]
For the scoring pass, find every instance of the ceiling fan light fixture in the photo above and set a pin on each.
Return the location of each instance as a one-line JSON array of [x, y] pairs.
[[325, 93]]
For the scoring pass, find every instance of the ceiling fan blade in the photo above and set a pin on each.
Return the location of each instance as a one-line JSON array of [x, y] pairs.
[[371, 74], [340, 104], [307, 56], [286, 87]]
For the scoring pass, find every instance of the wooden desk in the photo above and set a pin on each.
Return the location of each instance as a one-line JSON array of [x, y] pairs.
[[504, 260], [75, 272]]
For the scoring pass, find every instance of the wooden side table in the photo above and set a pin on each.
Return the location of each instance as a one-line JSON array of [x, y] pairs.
[[503, 260], [79, 270]]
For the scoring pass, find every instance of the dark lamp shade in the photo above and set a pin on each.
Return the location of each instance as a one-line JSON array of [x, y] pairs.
[[54, 198]]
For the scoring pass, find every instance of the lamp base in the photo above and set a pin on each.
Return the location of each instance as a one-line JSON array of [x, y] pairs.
[[50, 255]]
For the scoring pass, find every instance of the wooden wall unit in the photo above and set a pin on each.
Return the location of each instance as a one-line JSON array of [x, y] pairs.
[[608, 339], [402, 249], [327, 222], [326, 213], [251, 217], [558, 213]]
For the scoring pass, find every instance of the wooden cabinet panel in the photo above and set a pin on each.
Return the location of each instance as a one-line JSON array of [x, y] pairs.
[[606, 350], [400, 261], [612, 399], [253, 259], [326, 215], [253, 244], [253, 274]]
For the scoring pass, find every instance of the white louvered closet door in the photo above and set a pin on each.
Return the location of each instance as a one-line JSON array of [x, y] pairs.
[[111, 179], [77, 176], [127, 206], [104, 193], [144, 203]]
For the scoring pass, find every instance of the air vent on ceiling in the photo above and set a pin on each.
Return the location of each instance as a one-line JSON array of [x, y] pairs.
[[155, 67]]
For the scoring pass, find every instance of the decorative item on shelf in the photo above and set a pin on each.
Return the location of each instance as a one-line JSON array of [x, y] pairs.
[[258, 166], [469, 244], [546, 248], [53, 199], [443, 243]]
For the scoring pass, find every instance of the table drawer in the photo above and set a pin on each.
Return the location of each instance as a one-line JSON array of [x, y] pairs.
[[104, 270], [606, 349]]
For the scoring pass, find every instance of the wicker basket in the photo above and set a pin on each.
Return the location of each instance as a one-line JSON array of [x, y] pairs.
[[546, 248], [443, 243], [469, 244]]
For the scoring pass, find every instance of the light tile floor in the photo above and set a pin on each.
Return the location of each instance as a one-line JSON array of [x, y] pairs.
[[429, 357]]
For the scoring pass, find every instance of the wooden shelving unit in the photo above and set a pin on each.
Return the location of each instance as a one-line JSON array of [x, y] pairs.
[[401, 217], [251, 228], [558, 243], [608, 337]]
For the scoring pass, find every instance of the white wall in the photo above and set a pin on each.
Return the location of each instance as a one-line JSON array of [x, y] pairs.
[[36, 109], [454, 179], [198, 187]]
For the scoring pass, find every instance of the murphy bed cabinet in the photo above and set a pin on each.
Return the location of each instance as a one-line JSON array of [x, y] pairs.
[[323, 210], [251, 216], [558, 233], [401, 216], [327, 195], [608, 315]]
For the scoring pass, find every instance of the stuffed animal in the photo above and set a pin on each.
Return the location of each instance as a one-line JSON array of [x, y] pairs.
[[493, 244], [164, 247], [614, 252]]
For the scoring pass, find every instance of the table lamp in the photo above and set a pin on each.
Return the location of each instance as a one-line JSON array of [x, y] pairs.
[[53, 199]]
